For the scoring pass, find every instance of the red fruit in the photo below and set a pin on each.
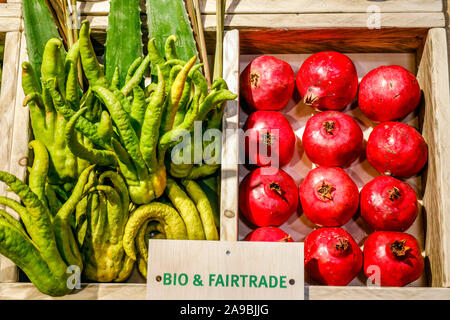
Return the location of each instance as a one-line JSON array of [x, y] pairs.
[[332, 256], [268, 197], [397, 149], [396, 255], [272, 234], [388, 204], [388, 93], [333, 139], [328, 196], [265, 146], [327, 81], [267, 83]]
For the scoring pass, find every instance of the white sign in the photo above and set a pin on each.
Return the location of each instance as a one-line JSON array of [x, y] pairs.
[[221, 270]]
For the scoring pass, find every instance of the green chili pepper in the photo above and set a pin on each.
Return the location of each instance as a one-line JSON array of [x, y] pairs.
[[42, 248], [64, 236], [52, 105], [138, 108], [204, 208], [105, 128], [100, 157], [92, 69], [106, 210], [127, 268], [174, 226], [156, 58], [38, 173], [174, 97], [151, 124], [137, 76], [169, 48], [142, 266], [187, 210]]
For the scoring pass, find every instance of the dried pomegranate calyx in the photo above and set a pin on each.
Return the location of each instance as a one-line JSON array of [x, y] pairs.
[[399, 248], [254, 79], [274, 186], [325, 191], [268, 138], [394, 194], [342, 244], [310, 99], [329, 126]]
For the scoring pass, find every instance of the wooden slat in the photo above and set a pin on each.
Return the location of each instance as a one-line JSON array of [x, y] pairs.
[[380, 293], [10, 10], [91, 291], [8, 97], [354, 40], [93, 8], [230, 143], [290, 6], [434, 82], [21, 131], [302, 21], [10, 24], [137, 291], [326, 20], [325, 6]]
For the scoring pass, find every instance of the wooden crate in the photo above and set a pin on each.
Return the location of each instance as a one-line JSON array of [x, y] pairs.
[[12, 115], [15, 126], [299, 13], [430, 50], [407, 26]]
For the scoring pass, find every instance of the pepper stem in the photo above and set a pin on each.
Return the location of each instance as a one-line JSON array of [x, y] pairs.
[[399, 248]]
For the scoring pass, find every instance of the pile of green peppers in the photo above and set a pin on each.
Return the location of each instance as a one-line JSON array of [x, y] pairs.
[[41, 243], [102, 182]]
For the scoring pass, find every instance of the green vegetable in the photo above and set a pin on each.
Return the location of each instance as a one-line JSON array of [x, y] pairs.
[[39, 28], [123, 38], [204, 208], [211, 112], [144, 127], [174, 227], [43, 248], [166, 18], [187, 210], [58, 99], [105, 212]]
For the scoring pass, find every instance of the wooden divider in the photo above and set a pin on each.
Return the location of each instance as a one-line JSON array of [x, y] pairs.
[[13, 117]]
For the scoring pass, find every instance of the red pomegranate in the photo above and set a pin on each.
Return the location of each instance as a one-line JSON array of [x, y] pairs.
[[396, 149], [268, 196], [332, 257], [388, 93], [395, 255], [328, 196], [388, 204], [271, 140], [267, 83], [272, 234], [327, 81], [332, 138]]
